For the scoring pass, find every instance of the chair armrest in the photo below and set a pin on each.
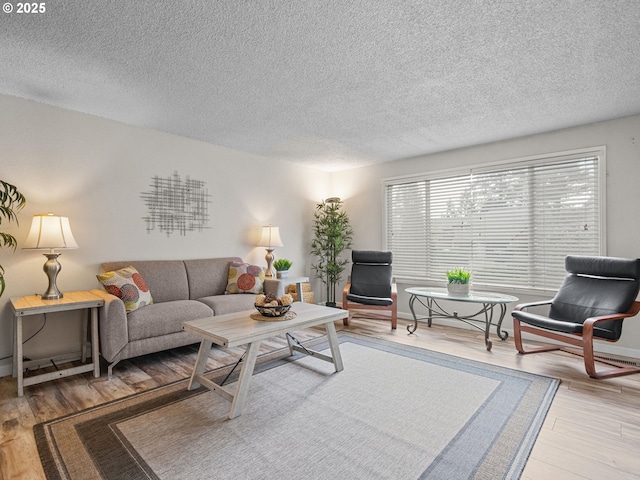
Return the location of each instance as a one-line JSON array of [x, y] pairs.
[[345, 291], [590, 322], [523, 306]]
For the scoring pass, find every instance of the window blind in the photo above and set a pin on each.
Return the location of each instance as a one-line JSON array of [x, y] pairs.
[[511, 224]]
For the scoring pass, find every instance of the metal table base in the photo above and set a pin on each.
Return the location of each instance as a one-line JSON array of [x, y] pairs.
[[483, 319]]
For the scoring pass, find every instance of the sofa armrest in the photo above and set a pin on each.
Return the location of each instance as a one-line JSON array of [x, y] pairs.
[[114, 330]]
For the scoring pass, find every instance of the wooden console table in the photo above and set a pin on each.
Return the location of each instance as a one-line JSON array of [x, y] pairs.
[[34, 305]]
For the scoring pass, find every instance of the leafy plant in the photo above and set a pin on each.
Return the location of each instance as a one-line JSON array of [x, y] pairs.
[[332, 235], [282, 264], [11, 202], [459, 275]]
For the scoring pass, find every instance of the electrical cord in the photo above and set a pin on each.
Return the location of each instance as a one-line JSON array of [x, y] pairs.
[[44, 322]]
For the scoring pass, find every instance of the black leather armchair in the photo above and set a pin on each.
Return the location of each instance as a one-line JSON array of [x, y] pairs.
[[595, 297], [371, 285]]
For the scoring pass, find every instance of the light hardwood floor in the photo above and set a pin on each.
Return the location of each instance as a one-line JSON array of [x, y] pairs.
[[592, 430]]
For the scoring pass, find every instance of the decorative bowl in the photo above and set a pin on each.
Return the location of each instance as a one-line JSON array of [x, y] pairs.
[[273, 311]]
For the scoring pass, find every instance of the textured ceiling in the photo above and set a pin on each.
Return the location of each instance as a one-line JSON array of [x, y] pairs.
[[332, 84]]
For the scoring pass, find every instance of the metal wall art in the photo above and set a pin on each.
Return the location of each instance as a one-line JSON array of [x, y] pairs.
[[177, 205]]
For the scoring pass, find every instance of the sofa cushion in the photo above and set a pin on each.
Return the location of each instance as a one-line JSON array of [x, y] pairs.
[[245, 278], [164, 318], [222, 304], [167, 279], [208, 276], [128, 285]]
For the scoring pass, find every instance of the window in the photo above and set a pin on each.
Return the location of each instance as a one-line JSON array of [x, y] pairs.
[[512, 223]]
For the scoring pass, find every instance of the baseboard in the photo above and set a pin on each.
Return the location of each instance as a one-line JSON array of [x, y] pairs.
[[6, 370]]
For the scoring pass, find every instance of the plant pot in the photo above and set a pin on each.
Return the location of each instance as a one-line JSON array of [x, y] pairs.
[[282, 273], [458, 288]]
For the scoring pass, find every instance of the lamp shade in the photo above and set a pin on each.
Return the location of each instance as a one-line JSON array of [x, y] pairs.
[[270, 237], [48, 231]]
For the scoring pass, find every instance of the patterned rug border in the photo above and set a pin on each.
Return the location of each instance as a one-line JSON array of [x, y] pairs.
[[535, 410], [545, 387]]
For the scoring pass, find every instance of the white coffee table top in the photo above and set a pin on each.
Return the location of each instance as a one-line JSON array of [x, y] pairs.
[[472, 297], [239, 328]]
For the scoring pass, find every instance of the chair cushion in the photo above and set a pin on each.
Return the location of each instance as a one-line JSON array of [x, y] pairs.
[[371, 277], [603, 266], [547, 323], [371, 256], [568, 327], [595, 286], [380, 301], [590, 297], [371, 280]]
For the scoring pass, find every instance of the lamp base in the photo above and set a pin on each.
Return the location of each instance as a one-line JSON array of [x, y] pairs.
[[269, 258], [52, 268], [49, 295]]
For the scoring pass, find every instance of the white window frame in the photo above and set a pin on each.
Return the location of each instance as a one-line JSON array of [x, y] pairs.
[[536, 160]]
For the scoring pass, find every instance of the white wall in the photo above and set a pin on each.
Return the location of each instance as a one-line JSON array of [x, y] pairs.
[[94, 171], [362, 191]]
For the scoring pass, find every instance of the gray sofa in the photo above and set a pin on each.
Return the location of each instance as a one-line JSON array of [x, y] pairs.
[[181, 290]]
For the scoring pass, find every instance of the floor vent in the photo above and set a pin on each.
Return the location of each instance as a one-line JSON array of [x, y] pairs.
[[617, 360]]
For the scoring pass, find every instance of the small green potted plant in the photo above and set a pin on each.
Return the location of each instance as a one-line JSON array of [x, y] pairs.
[[458, 281], [282, 266]]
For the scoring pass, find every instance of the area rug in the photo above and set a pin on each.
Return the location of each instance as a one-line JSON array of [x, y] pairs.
[[394, 412]]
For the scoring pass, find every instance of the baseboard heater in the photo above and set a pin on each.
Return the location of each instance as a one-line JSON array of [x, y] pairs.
[[617, 360]]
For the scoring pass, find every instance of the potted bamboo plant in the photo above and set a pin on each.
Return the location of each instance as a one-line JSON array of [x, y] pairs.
[[332, 235], [11, 202]]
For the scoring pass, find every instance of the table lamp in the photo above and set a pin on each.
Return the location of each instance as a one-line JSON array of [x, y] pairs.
[[48, 232], [270, 238]]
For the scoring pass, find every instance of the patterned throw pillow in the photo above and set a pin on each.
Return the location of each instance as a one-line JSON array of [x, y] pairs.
[[128, 285], [245, 278]]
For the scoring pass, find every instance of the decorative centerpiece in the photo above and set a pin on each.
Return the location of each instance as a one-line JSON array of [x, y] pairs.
[[458, 281], [282, 266], [271, 306]]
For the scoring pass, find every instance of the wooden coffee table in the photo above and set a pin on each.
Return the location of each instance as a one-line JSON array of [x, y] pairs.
[[236, 329]]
